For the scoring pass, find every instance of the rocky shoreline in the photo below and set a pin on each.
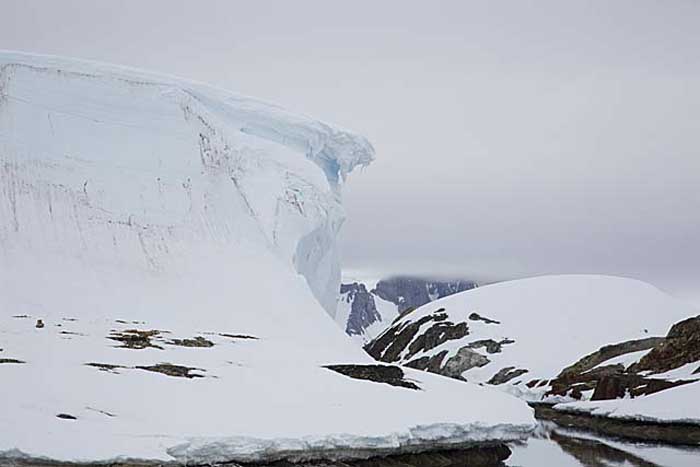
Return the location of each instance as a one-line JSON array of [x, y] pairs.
[[633, 430]]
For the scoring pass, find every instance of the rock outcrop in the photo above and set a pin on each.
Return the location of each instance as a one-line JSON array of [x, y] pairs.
[[643, 375], [363, 310], [680, 347]]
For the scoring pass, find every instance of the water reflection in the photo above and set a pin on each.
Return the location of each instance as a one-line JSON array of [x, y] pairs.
[[552, 445]]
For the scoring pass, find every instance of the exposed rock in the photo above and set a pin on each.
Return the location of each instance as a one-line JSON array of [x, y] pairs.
[[103, 412], [66, 416], [198, 341], [491, 345], [506, 374], [108, 367], [11, 360], [387, 374], [411, 292], [39, 324], [617, 386], [681, 346], [406, 293], [363, 310], [464, 360], [388, 346], [432, 364], [437, 334], [169, 369], [135, 339], [607, 352], [404, 337], [238, 336], [477, 317]]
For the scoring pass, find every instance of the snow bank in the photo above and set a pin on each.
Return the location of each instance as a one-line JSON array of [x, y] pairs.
[[152, 236], [677, 405]]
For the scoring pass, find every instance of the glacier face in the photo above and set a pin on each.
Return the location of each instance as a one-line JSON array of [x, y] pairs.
[[120, 167]]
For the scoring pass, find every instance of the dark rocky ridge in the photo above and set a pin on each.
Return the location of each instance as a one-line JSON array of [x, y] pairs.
[[363, 310]]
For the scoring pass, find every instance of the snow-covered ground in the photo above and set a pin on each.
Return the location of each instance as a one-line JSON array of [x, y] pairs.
[[544, 324], [677, 405], [177, 243]]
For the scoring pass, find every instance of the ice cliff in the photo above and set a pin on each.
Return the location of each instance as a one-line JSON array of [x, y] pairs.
[[113, 165]]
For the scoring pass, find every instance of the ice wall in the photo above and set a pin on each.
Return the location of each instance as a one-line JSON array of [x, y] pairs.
[[124, 169]]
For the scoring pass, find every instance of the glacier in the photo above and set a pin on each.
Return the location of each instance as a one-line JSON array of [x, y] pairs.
[[168, 276], [194, 157]]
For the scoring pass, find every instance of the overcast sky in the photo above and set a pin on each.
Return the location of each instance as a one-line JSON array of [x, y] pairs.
[[513, 138]]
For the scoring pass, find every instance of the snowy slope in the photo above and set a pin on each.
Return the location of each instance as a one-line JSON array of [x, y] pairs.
[[164, 248], [526, 331]]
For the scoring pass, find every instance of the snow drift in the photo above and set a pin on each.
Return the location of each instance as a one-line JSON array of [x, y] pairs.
[[164, 248]]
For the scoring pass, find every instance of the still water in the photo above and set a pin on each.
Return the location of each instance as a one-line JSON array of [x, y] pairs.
[[562, 447]]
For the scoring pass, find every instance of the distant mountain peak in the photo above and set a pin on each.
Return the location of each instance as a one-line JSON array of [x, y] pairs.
[[365, 306]]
